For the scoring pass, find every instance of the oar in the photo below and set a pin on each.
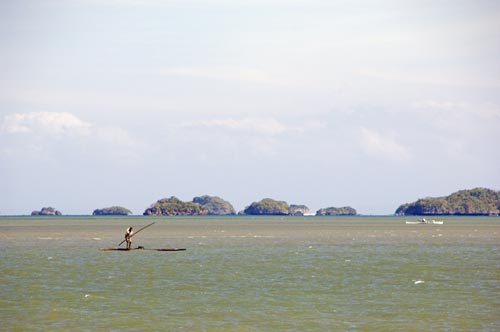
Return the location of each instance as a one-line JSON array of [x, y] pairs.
[[137, 232]]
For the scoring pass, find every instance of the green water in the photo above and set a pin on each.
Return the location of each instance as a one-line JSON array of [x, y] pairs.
[[250, 274]]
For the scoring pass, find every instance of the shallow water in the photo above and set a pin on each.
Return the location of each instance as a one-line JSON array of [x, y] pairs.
[[250, 274]]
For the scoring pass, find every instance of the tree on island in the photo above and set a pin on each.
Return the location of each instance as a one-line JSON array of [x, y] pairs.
[[175, 207], [47, 211], [478, 201], [200, 206], [215, 205], [112, 211], [298, 210], [268, 206], [334, 211], [271, 207]]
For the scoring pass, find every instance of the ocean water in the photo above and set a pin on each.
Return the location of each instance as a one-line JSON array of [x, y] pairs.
[[250, 274]]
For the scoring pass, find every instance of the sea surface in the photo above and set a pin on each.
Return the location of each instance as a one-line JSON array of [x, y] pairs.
[[250, 274]]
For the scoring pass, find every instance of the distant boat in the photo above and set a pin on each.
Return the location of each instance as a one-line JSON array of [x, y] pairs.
[[423, 221]]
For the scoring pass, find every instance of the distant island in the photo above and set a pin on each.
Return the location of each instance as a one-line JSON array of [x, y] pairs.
[[268, 206], [298, 210], [472, 202], [477, 202], [200, 206], [47, 211], [271, 207], [333, 211], [112, 211], [215, 205]]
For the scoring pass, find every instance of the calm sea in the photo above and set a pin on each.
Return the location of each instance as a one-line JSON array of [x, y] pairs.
[[250, 274]]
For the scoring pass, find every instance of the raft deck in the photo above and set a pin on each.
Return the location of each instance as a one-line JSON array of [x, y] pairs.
[[141, 248]]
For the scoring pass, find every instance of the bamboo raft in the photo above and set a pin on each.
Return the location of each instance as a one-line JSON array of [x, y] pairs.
[[142, 248]]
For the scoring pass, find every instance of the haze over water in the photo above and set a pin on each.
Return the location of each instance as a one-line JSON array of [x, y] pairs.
[[368, 104], [250, 274]]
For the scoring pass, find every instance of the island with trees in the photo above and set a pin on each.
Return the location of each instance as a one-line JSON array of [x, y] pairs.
[[272, 207], [268, 206], [478, 201], [215, 205], [47, 211], [200, 206], [337, 211], [298, 210], [112, 211], [472, 202]]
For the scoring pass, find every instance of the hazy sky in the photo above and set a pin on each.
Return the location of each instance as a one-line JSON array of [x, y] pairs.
[[365, 103]]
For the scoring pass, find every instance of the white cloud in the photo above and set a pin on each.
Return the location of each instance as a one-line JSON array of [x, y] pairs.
[[265, 126], [49, 132], [381, 146], [255, 136], [55, 124]]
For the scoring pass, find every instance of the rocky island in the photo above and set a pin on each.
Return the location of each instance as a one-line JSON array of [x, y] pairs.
[[269, 206], [204, 205], [47, 211], [478, 201], [335, 211], [112, 211], [215, 205], [298, 210]]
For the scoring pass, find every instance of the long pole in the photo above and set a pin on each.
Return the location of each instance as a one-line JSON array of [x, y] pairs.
[[138, 232]]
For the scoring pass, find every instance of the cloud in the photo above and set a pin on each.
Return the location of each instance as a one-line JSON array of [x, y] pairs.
[[50, 133], [56, 124], [248, 136], [260, 126], [380, 146]]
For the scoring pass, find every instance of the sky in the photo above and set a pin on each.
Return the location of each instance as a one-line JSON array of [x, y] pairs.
[[362, 103]]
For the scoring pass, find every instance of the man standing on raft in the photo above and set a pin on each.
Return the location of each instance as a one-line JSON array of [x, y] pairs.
[[128, 237]]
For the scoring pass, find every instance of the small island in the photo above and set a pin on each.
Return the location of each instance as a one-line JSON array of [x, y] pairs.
[[47, 211], [337, 211], [112, 211], [200, 206], [469, 202], [215, 205], [298, 210], [473, 202], [271, 207]]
